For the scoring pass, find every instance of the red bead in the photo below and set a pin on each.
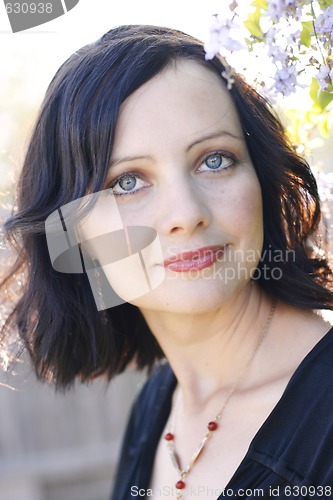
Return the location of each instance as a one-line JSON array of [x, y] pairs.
[[180, 485], [169, 436], [212, 426]]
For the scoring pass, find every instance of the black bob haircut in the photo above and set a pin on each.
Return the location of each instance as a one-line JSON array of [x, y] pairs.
[[69, 152]]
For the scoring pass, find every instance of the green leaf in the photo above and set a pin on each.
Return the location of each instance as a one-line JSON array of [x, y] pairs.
[[323, 4], [325, 98], [320, 98], [261, 4], [252, 24], [306, 33], [314, 90]]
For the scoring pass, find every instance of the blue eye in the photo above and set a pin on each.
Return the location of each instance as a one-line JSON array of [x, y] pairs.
[[217, 162], [213, 161], [127, 184]]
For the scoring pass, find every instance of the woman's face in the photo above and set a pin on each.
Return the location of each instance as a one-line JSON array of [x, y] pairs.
[[180, 166]]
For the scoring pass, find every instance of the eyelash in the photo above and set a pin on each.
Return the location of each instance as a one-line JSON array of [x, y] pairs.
[[113, 183], [223, 154]]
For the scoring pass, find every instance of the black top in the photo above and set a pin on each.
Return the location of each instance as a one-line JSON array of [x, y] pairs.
[[291, 456]]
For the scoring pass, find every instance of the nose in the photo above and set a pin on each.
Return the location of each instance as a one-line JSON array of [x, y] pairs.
[[183, 208]]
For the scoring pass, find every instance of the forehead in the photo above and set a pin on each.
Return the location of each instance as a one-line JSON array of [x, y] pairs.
[[180, 103]]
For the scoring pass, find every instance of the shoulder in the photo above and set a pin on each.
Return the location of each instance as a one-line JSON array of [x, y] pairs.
[[316, 369], [296, 441]]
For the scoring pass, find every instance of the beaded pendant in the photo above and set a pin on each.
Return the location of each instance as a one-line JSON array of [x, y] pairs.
[[169, 437]]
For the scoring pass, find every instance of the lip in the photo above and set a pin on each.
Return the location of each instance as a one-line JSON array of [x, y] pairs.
[[196, 259]]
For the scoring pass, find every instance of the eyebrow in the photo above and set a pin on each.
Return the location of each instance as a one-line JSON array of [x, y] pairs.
[[115, 161], [213, 135]]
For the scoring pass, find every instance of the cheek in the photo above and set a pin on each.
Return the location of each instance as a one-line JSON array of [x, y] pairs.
[[250, 208], [242, 212]]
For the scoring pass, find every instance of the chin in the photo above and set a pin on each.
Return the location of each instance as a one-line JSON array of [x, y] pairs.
[[188, 298]]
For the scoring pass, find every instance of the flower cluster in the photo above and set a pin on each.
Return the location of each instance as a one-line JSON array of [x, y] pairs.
[[323, 27], [295, 35], [221, 36], [278, 9]]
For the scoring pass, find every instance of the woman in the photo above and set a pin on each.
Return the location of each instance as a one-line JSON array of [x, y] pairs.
[[142, 120]]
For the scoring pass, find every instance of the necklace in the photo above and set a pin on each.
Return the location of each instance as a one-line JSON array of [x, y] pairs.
[[213, 424]]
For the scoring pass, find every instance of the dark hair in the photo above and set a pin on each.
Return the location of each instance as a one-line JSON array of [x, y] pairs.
[[69, 150]]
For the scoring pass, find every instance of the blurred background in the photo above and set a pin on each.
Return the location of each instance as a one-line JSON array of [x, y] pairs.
[[55, 446]]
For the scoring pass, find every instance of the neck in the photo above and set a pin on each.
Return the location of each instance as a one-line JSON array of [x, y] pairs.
[[207, 351]]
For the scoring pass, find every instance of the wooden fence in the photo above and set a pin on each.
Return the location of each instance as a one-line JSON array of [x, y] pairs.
[[61, 447]]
